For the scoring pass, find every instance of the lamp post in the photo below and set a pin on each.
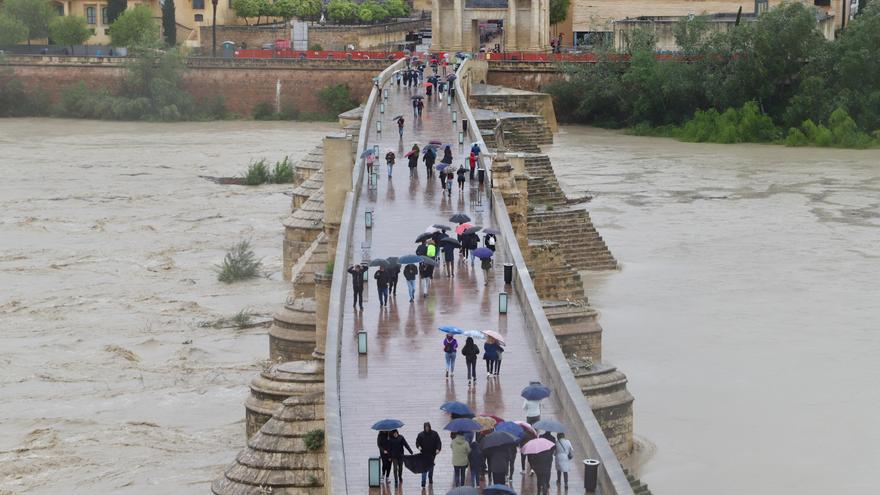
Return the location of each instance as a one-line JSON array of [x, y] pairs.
[[214, 30]]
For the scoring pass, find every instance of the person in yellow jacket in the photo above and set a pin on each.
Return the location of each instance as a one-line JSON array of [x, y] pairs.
[[460, 450]]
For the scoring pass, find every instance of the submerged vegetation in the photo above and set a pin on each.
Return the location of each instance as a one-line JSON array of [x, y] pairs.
[[240, 263], [773, 80], [259, 172]]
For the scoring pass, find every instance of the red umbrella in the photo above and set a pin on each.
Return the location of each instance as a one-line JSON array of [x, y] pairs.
[[428, 85], [461, 228], [412, 152]]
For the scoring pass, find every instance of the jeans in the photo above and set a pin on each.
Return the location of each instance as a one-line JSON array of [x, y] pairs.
[[425, 281], [383, 296], [459, 475], [386, 466], [471, 369], [411, 286], [391, 165], [428, 476], [497, 367], [450, 362], [398, 468], [475, 475]]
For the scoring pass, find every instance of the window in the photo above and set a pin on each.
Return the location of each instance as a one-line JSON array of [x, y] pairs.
[[59, 9], [104, 17], [200, 18], [90, 15], [198, 4]]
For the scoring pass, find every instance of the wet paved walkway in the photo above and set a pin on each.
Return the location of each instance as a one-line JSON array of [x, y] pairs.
[[402, 376]]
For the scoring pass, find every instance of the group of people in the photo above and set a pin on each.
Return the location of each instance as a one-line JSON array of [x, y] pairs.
[[492, 351]]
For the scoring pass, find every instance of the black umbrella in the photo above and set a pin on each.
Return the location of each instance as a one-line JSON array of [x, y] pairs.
[[473, 229], [418, 463], [379, 262], [393, 261], [460, 218], [490, 230], [428, 261], [418, 97], [497, 439], [397, 117], [450, 240], [441, 226], [424, 236]]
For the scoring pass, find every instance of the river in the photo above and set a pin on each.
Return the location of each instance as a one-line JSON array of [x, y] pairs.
[[108, 242], [747, 309]]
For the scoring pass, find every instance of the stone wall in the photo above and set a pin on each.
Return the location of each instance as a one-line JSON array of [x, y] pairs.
[[528, 76], [242, 83]]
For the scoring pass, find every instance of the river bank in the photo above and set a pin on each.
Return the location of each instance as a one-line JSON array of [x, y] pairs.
[[109, 238], [744, 314]]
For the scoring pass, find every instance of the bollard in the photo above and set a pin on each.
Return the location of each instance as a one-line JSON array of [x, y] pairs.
[[591, 475], [368, 218], [508, 273]]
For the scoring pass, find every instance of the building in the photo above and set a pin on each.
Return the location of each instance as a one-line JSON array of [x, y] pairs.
[[472, 25]]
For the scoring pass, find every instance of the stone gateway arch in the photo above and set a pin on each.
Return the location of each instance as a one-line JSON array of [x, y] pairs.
[[455, 24]]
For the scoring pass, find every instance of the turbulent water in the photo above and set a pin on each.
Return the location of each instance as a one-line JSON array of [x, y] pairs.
[[108, 241], [747, 310]]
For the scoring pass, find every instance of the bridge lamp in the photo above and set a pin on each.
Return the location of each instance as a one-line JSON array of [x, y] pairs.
[[368, 215], [378, 127], [385, 92], [460, 137], [448, 99], [362, 348], [502, 303], [454, 116], [382, 107]]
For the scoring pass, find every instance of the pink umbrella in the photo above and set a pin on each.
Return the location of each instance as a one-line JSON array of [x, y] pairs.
[[527, 427], [495, 335], [461, 228], [537, 446]]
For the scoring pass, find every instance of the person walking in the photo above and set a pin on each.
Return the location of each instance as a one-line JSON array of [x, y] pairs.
[[460, 451], [390, 157], [477, 462], [396, 446], [429, 444], [384, 454], [475, 149], [532, 409], [469, 243], [449, 259], [499, 459], [492, 353], [564, 456], [429, 159], [450, 347], [447, 155], [489, 241], [415, 105], [470, 351], [461, 173], [357, 285], [413, 160], [426, 272], [542, 463], [450, 176], [486, 265], [393, 275], [442, 176], [409, 273], [472, 162], [400, 122], [371, 160], [420, 106], [381, 277]]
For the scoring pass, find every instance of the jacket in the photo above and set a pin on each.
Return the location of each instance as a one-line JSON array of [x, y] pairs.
[[382, 443], [429, 443], [542, 462], [430, 158], [413, 159], [460, 450], [393, 273], [461, 172], [422, 250], [390, 156], [426, 270], [448, 252], [532, 408], [450, 344], [563, 450], [357, 278], [470, 352], [486, 263], [381, 277], [396, 446], [491, 352], [499, 459], [410, 271], [476, 458], [432, 251], [471, 241]]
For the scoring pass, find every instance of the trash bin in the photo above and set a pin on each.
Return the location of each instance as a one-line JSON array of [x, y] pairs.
[[481, 175], [508, 273], [591, 475]]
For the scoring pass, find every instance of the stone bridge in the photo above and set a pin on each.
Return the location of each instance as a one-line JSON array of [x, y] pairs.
[[321, 380]]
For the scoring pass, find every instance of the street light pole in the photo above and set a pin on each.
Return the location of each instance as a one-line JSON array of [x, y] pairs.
[[214, 30]]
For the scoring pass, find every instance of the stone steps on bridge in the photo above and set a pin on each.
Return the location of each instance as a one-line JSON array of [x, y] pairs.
[[573, 230]]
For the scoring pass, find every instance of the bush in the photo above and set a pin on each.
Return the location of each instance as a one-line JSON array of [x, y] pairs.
[[316, 47], [337, 99], [314, 440], [240, 263], [282, 173], [257, 173], [745, 125], [263, 111], [841, 132]]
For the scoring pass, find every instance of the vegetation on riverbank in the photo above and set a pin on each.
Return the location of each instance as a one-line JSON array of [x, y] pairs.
[[240, 263], [773, 80], [259, 172]]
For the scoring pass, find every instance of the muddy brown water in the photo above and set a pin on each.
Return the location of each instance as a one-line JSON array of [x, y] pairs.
[[108, 239], [747, 309]]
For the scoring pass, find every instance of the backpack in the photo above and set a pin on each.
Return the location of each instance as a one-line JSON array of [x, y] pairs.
[[448, 346]]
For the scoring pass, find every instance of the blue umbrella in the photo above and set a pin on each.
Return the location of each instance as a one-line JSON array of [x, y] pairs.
[[387, 424], [367, 153], [463, 424], [483, 252], [535, 391], [512, 428], [454, 407], [476, 334], [451, 329], [498, 490], [410, 258], [550, 425], [441, 165]]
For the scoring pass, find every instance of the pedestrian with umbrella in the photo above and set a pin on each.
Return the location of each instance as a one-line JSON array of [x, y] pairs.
[[371, 160], [563, 458], [449, 258], [413, 159], [541, 452], [429, 444], [489, 239], [415, 102], [460, 451], [442, 175], [420, 107], [430, 156], [409, 273], [447, 155], [450, 176], [492, 354], [393, 275], [426, 273], [461, 173], [485, 255], [495, 448], [450, 348], [472, 161], [396, 446], [385, 426], [400, 122], [470, 351], [357, 284], [381, 277], [390, 157], [477, 462], [533, 394], [529, 434]]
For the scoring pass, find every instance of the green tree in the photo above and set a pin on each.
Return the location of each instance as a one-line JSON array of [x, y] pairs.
[[135, 28], [246, 8], [69, 30], [12, 30], [33, 14], [397, 8], [342, 11], [169, 23], [558, 10], [115, 8], [285, 9], [337, 99], [309, 9], [690, 35], [265, 9]]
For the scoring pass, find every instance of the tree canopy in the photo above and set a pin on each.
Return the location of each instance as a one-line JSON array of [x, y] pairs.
[[33, 14], [558, 10], [115, 8], [135, 27], [12, 30], [69, 30], [169, 22]]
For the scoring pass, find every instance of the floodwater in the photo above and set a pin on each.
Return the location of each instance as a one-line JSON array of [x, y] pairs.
[[747, 309], [108, 241]]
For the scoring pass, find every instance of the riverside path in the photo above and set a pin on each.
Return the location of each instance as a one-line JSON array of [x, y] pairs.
[[402, 375]]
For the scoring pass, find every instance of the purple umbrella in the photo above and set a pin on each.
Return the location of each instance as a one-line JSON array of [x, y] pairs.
[[483, 252]]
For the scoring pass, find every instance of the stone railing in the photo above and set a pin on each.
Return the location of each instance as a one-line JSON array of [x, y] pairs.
[[335, 477], [465, 72], [579, 416]]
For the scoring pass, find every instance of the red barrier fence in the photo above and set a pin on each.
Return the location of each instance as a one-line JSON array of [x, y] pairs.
[[317, 55]]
